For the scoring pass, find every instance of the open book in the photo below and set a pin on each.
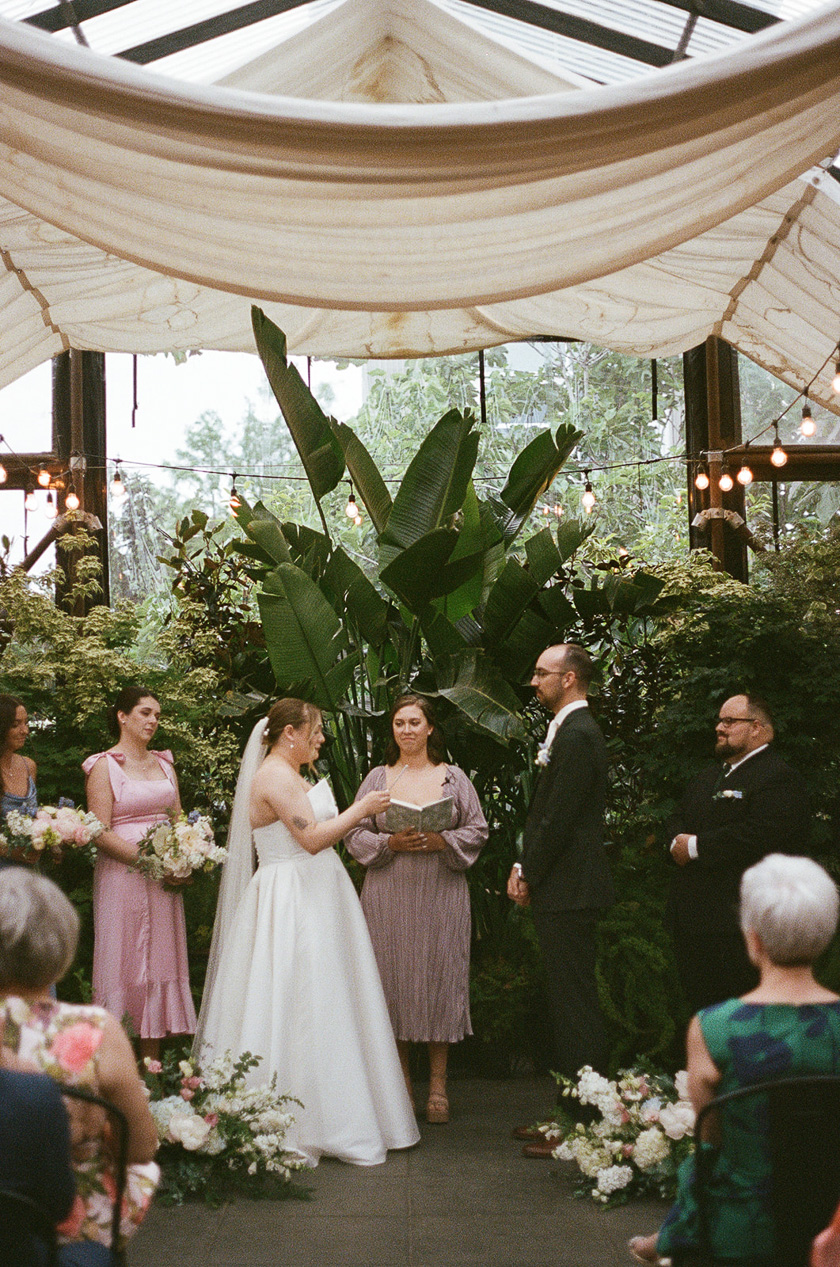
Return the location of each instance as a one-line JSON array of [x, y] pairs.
[[401, 815]]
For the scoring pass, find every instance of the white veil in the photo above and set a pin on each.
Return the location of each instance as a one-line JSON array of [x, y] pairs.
[[236, 874]]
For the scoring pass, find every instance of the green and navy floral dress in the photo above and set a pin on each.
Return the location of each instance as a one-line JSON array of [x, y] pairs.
[[748, 1042]]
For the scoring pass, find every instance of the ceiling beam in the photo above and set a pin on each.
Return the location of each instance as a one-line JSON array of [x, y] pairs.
[[581, 29], [57, 19], [740, 17]]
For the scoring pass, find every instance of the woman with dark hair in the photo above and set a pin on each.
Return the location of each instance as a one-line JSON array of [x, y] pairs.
[[415, 894], [292, 977], [17, 772], [140, 945]]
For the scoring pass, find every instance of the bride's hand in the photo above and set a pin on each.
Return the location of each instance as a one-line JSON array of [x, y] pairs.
[[374, 803]]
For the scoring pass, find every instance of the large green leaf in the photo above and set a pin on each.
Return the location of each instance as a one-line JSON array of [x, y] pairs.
[[310, 429], [557, 607], [531, 474], [543, 557], [365, 475], [357, 597], [310, 549], [571, 533], [471, 542], [506, 602], [474, 686], [307, 643], [414, 574], [435, 484]]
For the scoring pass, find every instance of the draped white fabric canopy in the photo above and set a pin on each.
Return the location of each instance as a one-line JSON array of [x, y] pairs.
[[410, 194]]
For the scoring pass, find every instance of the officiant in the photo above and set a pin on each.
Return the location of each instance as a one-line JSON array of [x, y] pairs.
[[415, 895]]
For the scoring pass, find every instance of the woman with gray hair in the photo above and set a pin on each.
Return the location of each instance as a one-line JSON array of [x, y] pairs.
[[77, 1046], [787, 1026]]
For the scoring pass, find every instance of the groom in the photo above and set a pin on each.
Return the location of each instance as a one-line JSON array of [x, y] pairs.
[[564, 875]]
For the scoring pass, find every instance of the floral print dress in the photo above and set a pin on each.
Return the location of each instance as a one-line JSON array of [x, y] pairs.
[[62, 1040]]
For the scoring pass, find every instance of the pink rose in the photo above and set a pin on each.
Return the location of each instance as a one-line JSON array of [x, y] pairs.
[[193, 1081], [74, 1047], [627, 1150], [212, 1119], [153, 1066], [187, 1093]]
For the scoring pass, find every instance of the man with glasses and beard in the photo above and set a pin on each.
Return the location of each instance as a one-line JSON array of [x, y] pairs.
[[731, 816]]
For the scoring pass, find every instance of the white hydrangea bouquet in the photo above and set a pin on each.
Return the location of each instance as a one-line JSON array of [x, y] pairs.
[[171, 852], [646, 1128], [215, 1131], [46, 834]]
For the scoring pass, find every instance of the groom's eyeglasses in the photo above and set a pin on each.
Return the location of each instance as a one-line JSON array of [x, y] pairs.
[[541, 673]]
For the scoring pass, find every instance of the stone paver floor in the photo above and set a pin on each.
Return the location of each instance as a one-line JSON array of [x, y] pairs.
[[464, 1195]]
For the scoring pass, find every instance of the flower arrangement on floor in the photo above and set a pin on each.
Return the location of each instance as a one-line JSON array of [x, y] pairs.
[[645, 1130], [47, 833], [216, 1132], [171, 852]]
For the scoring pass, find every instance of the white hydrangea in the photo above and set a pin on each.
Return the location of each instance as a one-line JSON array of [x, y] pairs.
[[189, 1130], [613, 1178], [163, 1111], [592, 1086], [650, 1148]]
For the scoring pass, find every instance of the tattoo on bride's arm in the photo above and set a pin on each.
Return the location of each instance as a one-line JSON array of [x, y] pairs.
[[301, 823]]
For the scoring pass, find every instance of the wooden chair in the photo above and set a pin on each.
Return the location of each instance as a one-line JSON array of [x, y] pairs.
[[119, 1125], [803, 1140]]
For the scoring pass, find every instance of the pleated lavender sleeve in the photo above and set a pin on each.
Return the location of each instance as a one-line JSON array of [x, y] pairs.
[[468, 835], [366, 842]]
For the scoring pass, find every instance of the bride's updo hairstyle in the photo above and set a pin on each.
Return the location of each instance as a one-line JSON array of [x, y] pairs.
[[287, 712], [128, 698], [435, 747]]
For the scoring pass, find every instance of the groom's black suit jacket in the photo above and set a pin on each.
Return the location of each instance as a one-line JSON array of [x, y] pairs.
[[761, 807], [563, 858]]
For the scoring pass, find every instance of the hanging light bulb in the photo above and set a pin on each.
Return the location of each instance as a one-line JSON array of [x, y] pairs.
[[835, 382], [118, 489], [745, 475], [358, 521], [235, 500], [778, 457], [71, 501], [701, 479], [807, 426], [4, 474], [30, 501], [546, 510], [50, 510], [351, 510], [558, 510], [44, 478], [588, 498], [726, 482]]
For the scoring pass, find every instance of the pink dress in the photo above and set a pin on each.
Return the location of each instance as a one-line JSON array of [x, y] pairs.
[[140, 939]]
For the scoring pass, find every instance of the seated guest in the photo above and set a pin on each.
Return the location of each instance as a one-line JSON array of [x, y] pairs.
[[76, 1045], [787, 1026], [34, 1160]]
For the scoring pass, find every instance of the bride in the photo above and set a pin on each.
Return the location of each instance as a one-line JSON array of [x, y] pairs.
[[292, 977]]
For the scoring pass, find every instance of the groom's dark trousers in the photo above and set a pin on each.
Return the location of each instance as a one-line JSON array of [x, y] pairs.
[[566, 868]]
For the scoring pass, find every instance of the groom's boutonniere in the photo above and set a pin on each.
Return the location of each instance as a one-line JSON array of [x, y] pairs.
[[543, 754], [729, 794]]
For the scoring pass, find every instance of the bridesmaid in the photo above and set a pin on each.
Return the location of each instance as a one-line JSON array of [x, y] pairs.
[[415, 895], [17, 772], [140, 945]]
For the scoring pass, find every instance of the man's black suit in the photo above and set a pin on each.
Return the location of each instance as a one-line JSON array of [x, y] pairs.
[[761, 807], [565, 866]]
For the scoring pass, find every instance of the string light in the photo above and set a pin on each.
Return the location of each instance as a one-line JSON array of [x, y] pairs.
[[351, 510], [4, 474], [44, 478], [235, 500], [807, 426], [358, 521], [71, 501], [588, 498], [118, 489], [835, 382], [701, 479], [50, 510], [30, 501], [745, 475], [778, 457], [726, 482]]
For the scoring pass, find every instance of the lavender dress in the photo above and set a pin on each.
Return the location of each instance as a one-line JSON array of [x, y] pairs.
[[418, 912], [140, 941]]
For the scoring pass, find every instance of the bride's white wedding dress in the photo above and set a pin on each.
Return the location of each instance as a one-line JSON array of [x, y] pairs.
[[296, 983]]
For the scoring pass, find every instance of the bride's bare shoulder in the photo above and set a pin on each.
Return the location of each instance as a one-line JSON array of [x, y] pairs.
[[275, 773]]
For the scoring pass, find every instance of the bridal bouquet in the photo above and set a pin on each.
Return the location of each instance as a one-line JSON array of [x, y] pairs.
[[214, 1130], [645, 1130], [172, 851], [26, 838]]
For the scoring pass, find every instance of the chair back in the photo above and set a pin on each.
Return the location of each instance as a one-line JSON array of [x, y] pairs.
[[27, 1231], [803, 1147], [119, 1126]]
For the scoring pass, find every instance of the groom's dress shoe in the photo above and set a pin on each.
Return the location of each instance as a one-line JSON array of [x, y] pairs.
[[543, 1149]]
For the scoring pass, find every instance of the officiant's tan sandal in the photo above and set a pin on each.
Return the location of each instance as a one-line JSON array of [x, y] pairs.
[[437, 1108]]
